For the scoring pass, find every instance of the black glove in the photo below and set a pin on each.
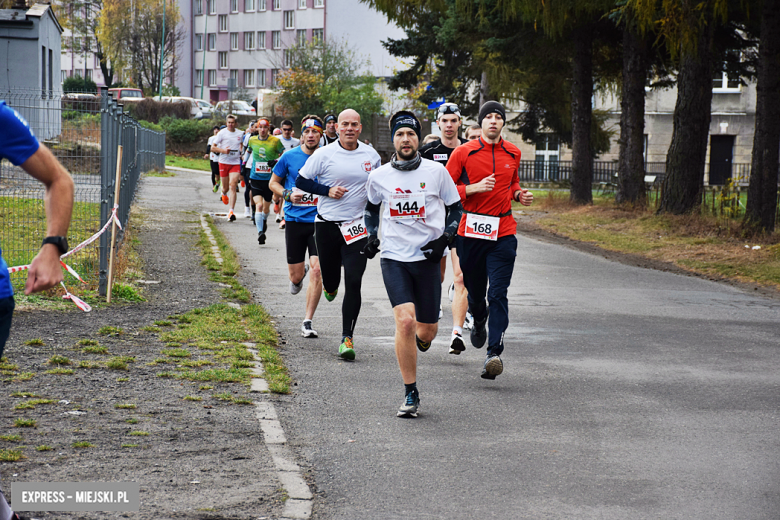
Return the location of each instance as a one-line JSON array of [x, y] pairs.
[[271, 164], [436, 248], [372, 247]]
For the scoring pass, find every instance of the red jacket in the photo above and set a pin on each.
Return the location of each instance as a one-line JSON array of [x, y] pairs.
[[475, 160]]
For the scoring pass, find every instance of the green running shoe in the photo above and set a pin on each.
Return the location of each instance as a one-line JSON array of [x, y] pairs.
[[346, 349], [330, 296]]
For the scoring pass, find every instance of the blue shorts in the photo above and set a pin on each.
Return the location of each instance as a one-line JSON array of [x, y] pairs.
[[414, 282]]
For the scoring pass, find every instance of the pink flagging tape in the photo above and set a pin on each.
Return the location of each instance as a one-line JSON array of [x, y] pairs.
[[81, 304], [72, 271]]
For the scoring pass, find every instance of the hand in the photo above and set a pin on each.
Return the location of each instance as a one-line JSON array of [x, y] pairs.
[[296, 196], [337, 192], [205, 156], [436, 248], [45, 270], [372, 247], [485, 184], [524, 197]]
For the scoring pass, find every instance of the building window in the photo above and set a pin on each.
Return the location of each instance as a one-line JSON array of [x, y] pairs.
[[234, 76], [317, 36], [301, 4], [261, 5], [63, 75], [212, 6], [319, 3], [249, 6], [249, 78], [212, 77], [289, 19], [260, 77], [249, 41], [723, 83], [198, 6], [199, 42], [287, 59], [274, 78], [233, 41], [223, 60], [261, 40], [198, 78], [212, 42], [89, 73], [276, 39], [233, 6], [301, 37], [223, 23], [277, 5]]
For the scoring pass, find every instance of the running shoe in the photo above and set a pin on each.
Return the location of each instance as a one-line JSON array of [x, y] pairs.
[[216, 187], [441, 312], [225, 199], [243, 183], [247, 212], [307, 331], [479, 333], [265, 225], [231, 216], [469, 322], [451, 292], [410, 405], [347, 349], [330, 296], [282, 224], [261, 238], [277, 209], [456, 344], [278, 217], [493, 367], [295, 288]]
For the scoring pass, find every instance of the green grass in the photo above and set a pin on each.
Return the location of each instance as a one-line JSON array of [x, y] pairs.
[[125, 406], [206, 387], [138, 433], [30, 405], [243, 401], [177, 353], [222, 273], [131, 420], [110, 331], [88, 343], [60, 371], [36, 342], [44, 447], [119, 363], [95, 349], [11, 455], [15, 437], [83, 444], [164, 173], [224, 396], [197, 363], [89, 364], [150, 329], [24, 394], [188, 162], [163, 323], [59, 360], [127, 293], [25, 423], [129, 445], [192, 398], [24, 376], [215, 375]]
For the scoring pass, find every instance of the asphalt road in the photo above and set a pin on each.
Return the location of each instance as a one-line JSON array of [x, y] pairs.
[[626, 394]]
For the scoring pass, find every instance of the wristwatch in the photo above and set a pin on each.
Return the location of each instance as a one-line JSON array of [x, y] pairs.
[[60, 242]]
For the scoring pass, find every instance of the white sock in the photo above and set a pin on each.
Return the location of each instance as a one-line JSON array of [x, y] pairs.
[[458, 330]]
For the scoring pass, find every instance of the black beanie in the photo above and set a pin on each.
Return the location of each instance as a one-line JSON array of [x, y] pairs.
[[404, 119], [491, 107]]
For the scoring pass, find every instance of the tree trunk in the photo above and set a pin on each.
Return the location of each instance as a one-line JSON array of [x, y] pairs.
[[681, 189], [762, 191], [484, 90], [631, 168], [581, 115]]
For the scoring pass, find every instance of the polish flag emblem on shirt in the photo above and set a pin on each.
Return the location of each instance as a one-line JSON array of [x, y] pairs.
[[367, 166]]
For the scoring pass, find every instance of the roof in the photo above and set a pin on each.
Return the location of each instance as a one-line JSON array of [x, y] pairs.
[[40, 10]]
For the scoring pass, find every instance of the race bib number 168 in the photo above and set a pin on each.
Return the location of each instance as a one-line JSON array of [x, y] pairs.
[[482, 226]]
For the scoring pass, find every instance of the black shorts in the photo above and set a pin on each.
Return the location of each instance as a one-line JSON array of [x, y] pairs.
[[414, 282], [260, 189], [299, 237]]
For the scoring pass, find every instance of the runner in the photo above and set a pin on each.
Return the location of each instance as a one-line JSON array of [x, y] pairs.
[[421, 216], [213, 158], [485, 171], [300, 210], [287, 138], [330, 135], [341, 172], [228, 145], [473, 132], [266, 150], [449, 121], [246, 170]]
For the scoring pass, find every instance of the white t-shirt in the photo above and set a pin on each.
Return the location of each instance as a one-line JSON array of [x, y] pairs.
[[403, 194], [231, 141], [212, 156], [290, 143], [249, 158], [336, 166]]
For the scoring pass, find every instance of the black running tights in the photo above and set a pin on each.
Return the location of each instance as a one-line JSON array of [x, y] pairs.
[[333, 253], [214, 172]]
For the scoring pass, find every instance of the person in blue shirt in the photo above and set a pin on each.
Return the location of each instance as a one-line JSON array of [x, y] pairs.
[[300, 210], [19, 145]]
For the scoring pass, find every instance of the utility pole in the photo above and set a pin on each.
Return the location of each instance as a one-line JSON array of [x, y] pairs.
[[162, 50]]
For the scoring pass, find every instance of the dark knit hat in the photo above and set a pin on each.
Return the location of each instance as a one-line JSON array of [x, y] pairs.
[[491, 107], [404, 119]]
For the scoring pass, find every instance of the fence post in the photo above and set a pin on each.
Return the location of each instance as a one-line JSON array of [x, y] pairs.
[[105, 182]]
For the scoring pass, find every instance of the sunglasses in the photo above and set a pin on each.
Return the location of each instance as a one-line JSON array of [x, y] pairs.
[[449, 108]]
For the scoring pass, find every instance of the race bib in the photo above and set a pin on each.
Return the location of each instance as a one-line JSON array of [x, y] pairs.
[[233, 152], [482, 227], [262, 167], [440, 157], [407, 205], [353, 230], [308, 200]]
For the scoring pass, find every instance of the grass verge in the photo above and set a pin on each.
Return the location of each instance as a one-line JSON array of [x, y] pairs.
[[188, 162], [224, 273]]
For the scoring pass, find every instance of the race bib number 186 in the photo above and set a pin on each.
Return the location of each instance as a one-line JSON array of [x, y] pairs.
[[482, 226], [353, 230]]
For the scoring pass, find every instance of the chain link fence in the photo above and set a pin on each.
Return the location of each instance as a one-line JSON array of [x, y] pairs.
[[83, 131]]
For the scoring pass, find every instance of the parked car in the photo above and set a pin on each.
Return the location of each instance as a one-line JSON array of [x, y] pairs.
[[122, 95], [240, 108], [205, 107], [195, 110]]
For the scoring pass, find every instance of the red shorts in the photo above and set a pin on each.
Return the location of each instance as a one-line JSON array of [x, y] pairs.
[[226, 169]]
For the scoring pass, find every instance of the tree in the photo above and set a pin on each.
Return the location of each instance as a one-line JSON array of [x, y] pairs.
[[325, 77], [82, 17], [132, 31], [762, 201]]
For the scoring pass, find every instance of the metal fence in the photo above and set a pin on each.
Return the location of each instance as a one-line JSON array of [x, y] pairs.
[[83, 132]]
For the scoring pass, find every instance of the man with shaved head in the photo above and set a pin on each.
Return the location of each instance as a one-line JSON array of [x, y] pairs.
[[338, 174]]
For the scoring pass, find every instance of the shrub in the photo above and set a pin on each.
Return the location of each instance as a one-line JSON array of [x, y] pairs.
[[78, 84], [154, 111], [151, 126], [185, 130]]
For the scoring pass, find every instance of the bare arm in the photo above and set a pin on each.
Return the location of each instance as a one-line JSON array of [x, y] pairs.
[[45, 270]]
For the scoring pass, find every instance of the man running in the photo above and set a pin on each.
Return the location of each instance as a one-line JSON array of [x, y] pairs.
[[420, 219], [449, 122], [473, 132], [341, 172], [485, 171], [213, 158], [287, 138], [330, 135], [228, 145], [300, 210], [266, 150], [246, 170]]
